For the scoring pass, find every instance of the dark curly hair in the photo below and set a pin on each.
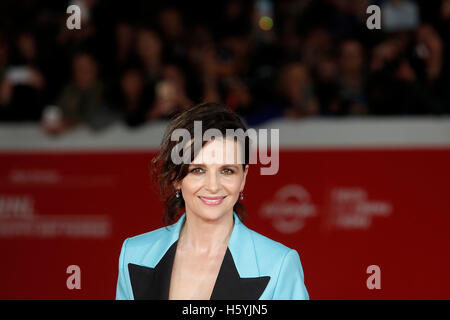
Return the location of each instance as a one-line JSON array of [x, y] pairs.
[[166, 172]]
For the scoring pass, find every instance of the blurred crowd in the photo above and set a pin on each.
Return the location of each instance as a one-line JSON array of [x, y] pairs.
[[141, 61]]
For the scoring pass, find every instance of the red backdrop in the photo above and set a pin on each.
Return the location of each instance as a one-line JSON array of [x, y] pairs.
[[343, 210]]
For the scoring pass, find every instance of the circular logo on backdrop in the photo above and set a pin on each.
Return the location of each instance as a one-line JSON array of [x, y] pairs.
[[289, 208]]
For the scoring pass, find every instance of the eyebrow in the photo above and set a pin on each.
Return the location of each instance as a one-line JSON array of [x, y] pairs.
[[222, 166]]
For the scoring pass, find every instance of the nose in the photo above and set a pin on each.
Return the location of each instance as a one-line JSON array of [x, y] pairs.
[[212, 182]]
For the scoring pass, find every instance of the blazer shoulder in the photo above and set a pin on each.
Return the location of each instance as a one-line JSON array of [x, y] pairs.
[[144, 239], [144, 248], [267, 249]]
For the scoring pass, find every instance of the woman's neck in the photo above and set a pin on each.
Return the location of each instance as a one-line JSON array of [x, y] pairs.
[[205, 237]]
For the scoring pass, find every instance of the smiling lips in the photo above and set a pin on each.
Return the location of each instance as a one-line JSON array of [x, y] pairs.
[[212, 201]]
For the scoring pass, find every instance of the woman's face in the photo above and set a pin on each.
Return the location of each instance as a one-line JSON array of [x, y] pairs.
[[214, 181]]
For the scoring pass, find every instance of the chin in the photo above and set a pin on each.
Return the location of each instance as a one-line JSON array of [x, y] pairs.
[[212, 213]]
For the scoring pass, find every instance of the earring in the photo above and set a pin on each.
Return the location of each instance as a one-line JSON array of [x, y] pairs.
[[177, 194], [242, 196]]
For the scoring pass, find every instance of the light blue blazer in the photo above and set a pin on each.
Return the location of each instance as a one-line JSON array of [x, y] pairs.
[[254, 266]]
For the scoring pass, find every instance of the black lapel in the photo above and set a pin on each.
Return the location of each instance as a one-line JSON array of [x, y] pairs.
[[153, 283], [230, 286]]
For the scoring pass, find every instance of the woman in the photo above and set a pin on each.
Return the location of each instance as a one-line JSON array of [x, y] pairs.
[[208, 253]]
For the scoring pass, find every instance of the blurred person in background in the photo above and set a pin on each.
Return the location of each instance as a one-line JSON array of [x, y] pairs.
[[327, 86], [399, 15], [124, 44], [232, 65], [346, 17], [201, 55], [170, 94], [95, 28], [318, 43], [171, 24], [289, 41], [430, 48], [398, 81], [22, 83], [223, 66], [351, 79], [88, 32], [5, 86], [149, 52], [444, 20], [4, 53], [239, 98], [443, 29], [380, 77], [82, 101], [296, 91], [132, 101]]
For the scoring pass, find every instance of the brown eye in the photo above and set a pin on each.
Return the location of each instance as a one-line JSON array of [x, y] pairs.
[[197, 171], [227, 171]]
